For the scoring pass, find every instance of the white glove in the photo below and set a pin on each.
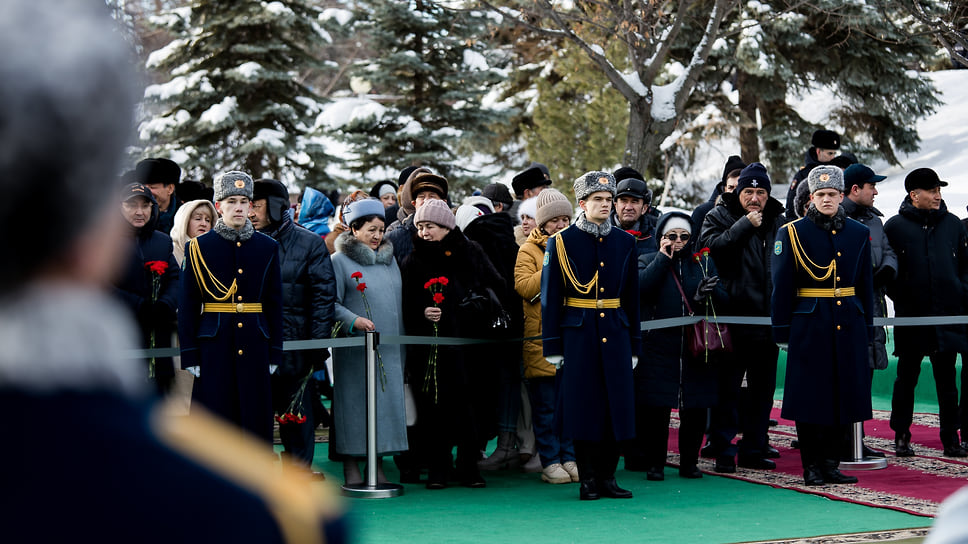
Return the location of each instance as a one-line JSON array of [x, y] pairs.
[[635, 361], [557, 361], [194, 371], [784, 346], [272, 369]]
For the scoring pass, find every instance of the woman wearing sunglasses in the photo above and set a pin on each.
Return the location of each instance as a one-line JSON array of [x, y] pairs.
[[668, 376]]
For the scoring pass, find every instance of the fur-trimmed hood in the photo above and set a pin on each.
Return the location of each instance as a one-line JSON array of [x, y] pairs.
[[179, 231], [350, 246]]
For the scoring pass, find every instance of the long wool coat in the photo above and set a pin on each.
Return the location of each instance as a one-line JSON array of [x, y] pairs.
[[827, 373], [597, 344], [233, 350], [383, 294]]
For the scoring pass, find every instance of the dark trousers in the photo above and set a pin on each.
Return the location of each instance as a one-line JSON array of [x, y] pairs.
[[597, 460], [652, 434], [902, 403], [819, 444], [757, 361]]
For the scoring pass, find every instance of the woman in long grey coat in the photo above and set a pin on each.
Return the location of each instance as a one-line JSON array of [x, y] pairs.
[[367, 275]]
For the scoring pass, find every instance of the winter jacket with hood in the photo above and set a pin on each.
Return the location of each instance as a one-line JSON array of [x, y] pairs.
[[315, 211], [527, 283], [668, 375]]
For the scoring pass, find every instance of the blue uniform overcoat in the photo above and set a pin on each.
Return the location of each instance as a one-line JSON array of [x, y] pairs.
[[597, 344], [827, 372], [234, 350]]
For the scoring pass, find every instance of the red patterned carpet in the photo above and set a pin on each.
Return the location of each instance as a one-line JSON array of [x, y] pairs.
[[916, 485]]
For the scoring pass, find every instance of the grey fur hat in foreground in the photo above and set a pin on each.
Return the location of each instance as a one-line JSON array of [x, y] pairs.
[[233, 183], [593, 182], [66, 106]]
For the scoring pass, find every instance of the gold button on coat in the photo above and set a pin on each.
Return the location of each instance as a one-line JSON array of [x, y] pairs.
[[838, 303], [838, 327], [240, 297], [238, 244], [604, 340], [601, 289], [240, 351], [240, 271], [601, 314], [240, 324]]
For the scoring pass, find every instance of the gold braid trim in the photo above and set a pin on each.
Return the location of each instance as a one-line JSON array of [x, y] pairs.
[[806, 263], [583, 288], [198, 265]]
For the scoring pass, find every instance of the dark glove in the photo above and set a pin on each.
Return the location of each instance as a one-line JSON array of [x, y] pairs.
[[882, 277], [705, 288]]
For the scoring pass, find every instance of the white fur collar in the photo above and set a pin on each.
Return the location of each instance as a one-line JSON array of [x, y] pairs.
[[348, 245]]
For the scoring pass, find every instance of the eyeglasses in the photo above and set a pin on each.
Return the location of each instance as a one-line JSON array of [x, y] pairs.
[[674, 237]]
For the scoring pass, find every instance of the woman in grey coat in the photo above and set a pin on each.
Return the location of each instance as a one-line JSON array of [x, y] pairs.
[[368, 297]]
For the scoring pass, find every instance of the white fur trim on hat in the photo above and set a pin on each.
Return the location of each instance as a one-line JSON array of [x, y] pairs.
[[529, 208]]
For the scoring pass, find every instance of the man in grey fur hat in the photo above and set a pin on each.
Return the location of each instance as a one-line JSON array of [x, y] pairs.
[[230, 312], [590, 316]]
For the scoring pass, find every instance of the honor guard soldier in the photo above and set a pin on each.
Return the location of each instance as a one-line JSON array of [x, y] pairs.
[[590, 316], [230, 312], [823, 301]]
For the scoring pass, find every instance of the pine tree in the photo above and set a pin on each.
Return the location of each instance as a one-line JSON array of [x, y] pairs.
[[235, 98], [434, 68]]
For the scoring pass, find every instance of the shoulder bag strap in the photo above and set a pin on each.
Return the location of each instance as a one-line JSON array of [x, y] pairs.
[[681, 292]]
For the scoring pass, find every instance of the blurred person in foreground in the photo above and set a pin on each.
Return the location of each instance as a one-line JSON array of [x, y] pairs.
[[132, 473]]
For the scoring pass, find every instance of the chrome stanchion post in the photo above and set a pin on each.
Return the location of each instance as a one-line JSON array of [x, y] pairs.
[[370, 488], [859, 462]]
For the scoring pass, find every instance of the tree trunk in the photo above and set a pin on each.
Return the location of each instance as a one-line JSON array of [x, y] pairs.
[[749, 146], [640, 120]]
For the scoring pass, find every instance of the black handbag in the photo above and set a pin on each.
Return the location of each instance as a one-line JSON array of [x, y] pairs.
[[485, 309]]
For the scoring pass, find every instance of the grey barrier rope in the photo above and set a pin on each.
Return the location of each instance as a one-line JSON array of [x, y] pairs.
[[358, 341]]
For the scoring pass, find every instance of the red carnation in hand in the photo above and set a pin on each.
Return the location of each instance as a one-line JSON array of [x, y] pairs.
[[356, 274], [442, 280], [361, 286], [705, 251], [157, 267], [697, 256], [438, 298]]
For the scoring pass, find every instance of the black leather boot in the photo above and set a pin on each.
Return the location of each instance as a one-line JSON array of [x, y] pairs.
[[832, 475], [812, 475], [588, 491], [609, 488]]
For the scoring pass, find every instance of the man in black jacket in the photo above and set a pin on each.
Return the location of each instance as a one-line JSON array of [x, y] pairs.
[[932, 280], [149, 283], [740, 233], [824, 146], [308, 292]]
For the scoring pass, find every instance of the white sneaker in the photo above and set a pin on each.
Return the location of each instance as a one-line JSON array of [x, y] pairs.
[[554, 474], [571, 468]]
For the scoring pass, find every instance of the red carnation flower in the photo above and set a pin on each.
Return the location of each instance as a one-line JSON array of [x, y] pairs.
[[356, 274], [157, 267], [442, 280], [361, 286], [438, 298]]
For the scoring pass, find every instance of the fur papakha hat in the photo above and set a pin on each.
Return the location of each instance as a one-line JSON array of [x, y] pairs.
[[826, 177], [233, 183], [593, 182]]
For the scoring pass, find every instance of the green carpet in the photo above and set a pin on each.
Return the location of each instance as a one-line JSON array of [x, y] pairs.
[[518, 507]]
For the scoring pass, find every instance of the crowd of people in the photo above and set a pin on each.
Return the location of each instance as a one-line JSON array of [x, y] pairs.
[[401, 259]]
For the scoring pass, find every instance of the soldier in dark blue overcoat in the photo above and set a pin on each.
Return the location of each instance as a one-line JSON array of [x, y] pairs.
[[590, 316], [230, 312], [823, 301]]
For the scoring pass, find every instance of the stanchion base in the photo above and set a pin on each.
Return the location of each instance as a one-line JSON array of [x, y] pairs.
[[378, 491], [867, 463]]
